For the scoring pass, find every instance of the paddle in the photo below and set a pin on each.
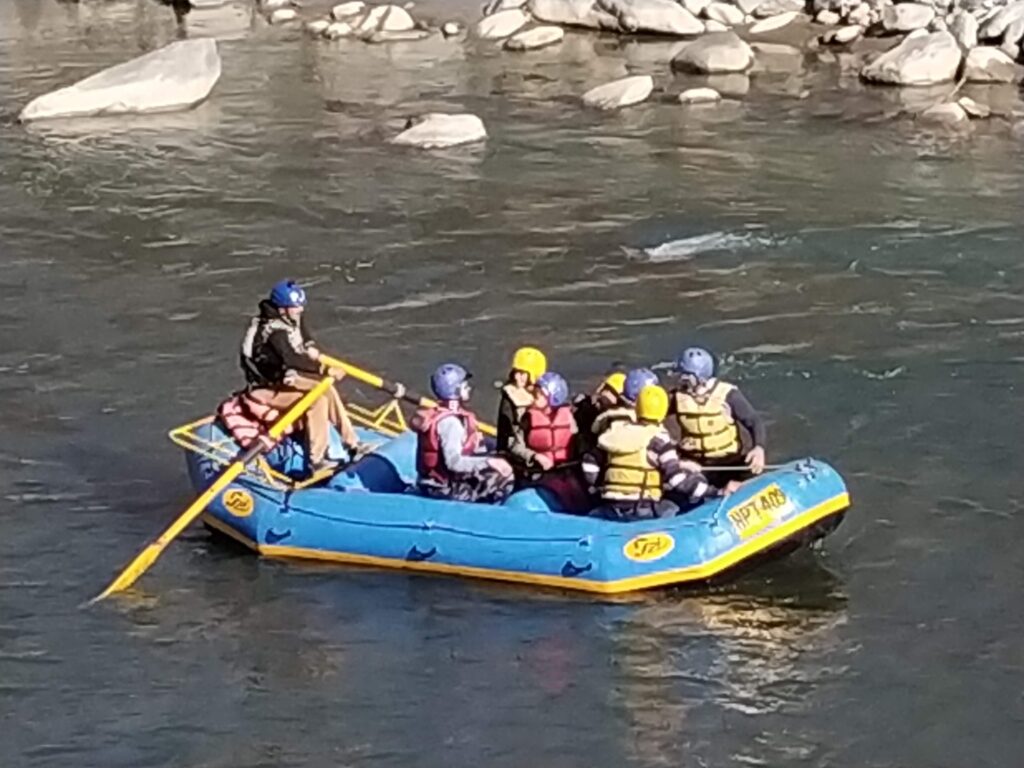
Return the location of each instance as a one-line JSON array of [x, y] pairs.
[[148, 556], [392, 388]]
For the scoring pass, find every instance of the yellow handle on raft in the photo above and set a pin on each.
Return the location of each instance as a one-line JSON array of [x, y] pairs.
[[148, 556], [390, 387]]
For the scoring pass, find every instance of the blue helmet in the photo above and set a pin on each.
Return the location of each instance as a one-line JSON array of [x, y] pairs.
[[447, 381], [554, 388], [286, 294], [696, 362], [636, 380]]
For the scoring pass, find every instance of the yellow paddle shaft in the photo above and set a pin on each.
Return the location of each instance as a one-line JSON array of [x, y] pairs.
[[148, 556], [390, 387]]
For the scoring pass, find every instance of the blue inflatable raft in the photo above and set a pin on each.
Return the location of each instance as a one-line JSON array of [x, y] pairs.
[[368, 515]]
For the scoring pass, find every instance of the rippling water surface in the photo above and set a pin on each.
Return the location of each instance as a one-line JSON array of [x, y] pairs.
[[863, 277]]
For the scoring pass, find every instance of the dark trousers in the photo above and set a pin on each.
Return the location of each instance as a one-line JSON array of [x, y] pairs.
[[631, 511], [485, 486]]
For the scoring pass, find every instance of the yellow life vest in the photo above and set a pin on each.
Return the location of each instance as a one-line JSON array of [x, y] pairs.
[[706, 424], [628, 474]]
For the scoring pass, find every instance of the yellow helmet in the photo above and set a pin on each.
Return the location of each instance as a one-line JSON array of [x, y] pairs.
[[616, 382], [652, 404], [530, 361]]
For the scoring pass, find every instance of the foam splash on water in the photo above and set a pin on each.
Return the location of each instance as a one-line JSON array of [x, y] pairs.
[[711, 242]]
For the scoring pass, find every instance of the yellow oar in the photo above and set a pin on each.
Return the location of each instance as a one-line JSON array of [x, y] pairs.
[[390, 387], [148, 556]]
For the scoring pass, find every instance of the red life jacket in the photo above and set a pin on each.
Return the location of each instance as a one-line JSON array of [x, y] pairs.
[[550, 432], [247, 419], [429, 459]]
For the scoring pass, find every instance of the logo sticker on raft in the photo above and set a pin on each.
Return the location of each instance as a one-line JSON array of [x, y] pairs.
[[648, 546], [758, 512], [238, 502]]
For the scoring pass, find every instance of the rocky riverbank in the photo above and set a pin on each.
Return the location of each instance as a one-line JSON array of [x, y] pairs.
[[949, 61]]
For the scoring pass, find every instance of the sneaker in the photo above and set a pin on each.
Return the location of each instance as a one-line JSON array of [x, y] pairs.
[[324, 467]]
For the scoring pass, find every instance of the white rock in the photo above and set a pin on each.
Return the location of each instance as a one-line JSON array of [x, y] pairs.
[[973, 109], [773, 22], [1012, 37], [538, 37], [573, 13], [906, 17], [273, 5], [502, 5], [696, 7], [405, 36], [842, 35], [986, 64], [964, 28], [345, 10], [663, 17], [382, 18], [338, 30], [699, 96], [207, 5], [944, 113], [724, 13], [715, 52], [175, 77], [828, 18], [859, 16], [620, 93], [922, 58], [767, 8], [996, 26], [437, 130], [318, 27], [450, 29], [283, 16], [715, 26], [501, 24]]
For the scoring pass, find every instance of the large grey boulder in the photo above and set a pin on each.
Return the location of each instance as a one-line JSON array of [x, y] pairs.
[[437, 130], [537, 37], [986, 64], [724, 13], [995, 27], [661, 17], [714, 53], [906, 17], [620, 93], [922, 58], [502, 24], [964, 27], [177, 76]]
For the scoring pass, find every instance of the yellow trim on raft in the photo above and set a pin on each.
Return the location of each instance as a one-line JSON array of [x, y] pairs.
[[700, 572]]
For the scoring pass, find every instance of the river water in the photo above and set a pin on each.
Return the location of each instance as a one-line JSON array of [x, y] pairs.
[[861, 276]]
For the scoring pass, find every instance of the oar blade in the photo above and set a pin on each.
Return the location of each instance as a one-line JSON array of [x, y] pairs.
[[131, 574]]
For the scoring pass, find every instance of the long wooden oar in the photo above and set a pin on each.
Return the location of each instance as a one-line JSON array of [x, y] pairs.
[[148, 556], [392, 388]]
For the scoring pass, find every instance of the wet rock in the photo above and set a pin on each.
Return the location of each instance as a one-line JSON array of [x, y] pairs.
[[663, 17], [573, 13], [944, 113], [773, 22], [696, 7], [724, 13], [995, 27], [338, 30], [1012, 38], [842, 35], [922, 58], [699, 96], [974, 110], [502, 24], [715, 26], [538, 37], [437, 130], [177, 76], [964, 27], [620, 93], [345, 10], [906, 17], [828, 18], [382, 18], [318, 27], [715, 52], [986, 64], [450, 29], [284, 16]]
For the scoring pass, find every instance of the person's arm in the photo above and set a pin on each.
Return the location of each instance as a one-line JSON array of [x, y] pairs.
[[306, 333], [505, 423], [680, 477], [745, 414], [517, 447], [290, 358], [452, 435]]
